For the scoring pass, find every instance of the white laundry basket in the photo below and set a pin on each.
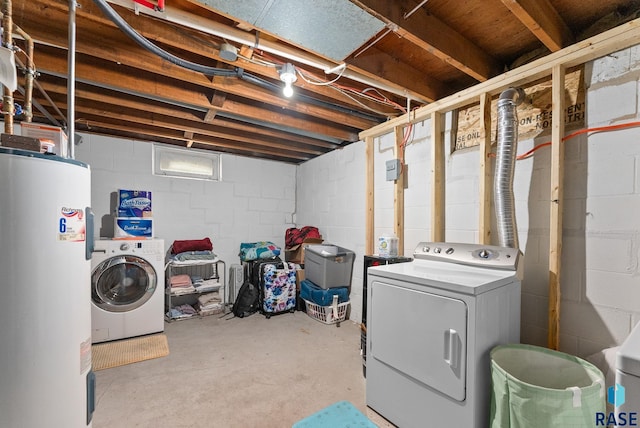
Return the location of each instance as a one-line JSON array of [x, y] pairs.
[[534, 387]]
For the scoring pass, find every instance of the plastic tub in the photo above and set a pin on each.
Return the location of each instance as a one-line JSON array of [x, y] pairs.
[[328, 266]]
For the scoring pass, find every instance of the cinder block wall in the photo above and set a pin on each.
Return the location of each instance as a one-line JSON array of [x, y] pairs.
[[254, 201], [601, 234]]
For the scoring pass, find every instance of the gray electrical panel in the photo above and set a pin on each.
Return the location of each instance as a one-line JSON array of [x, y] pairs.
[[393, 169]]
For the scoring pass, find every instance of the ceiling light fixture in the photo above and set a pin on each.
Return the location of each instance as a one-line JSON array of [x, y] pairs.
[[288, 76]]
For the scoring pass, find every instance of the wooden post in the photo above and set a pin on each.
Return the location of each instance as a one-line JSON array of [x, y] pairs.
[[369, 190], [437, 178], [486, 174], [398, 190], [556, 204]]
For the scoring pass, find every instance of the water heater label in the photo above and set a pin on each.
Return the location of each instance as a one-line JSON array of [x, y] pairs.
[[71, 225]]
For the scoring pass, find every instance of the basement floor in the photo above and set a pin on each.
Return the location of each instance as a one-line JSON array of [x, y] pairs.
[[240, 373]]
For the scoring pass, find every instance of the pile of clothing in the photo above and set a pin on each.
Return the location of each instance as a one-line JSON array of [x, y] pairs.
[[209, 303], [202, 285], [181, 284], [181, 311], [192, 251]]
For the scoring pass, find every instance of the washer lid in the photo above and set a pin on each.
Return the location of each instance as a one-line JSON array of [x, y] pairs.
[[628, 359]]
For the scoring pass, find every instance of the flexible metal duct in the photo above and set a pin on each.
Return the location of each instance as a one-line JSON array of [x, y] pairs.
[[505, 166]]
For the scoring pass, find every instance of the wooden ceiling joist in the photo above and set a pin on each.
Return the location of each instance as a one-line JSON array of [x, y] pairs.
[[434, 36], [542, 19]]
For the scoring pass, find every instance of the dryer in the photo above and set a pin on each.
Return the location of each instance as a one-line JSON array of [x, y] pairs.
[[431, 324], [127, 288]]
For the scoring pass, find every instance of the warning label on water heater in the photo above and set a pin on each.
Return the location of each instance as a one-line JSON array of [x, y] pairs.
[[71, 225]]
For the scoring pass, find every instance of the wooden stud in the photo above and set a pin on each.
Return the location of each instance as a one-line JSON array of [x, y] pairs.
[[437, 179], [188, 135], [556, 205], [370, 192], [398, 190], [486, 174]]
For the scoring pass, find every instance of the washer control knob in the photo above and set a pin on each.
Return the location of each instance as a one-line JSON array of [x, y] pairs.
[[437, 250], [449, 250], [425, 249], [483, 254], [124, 246]]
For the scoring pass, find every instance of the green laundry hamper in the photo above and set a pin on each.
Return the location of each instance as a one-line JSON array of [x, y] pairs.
[[535, 387]]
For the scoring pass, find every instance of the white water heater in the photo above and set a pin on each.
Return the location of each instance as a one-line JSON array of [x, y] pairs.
[[46, 236]]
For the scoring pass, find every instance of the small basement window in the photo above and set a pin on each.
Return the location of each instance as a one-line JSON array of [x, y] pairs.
[[186, 163]]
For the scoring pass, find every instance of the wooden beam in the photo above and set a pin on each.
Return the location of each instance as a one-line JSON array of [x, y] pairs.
[[150, 132], [618, 38], [370, 195], [543, 20], [398, 190], [41, 19], [437, 179], [119, 101], [377, 64], [556, 205], [156, 87], [434, 36], [486, 173], [164, 122], [189, 137]]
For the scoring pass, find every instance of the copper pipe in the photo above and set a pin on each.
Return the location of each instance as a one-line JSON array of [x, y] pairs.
[[31, 70], [7, 97]]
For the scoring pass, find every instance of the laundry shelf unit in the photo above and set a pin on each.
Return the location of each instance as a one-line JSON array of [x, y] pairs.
[[213, 270]]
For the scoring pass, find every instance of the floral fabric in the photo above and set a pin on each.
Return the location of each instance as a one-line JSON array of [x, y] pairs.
[[258, 250], [279, 288]]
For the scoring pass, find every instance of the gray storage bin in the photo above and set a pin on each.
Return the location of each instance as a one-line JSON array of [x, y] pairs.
[[328, 266]]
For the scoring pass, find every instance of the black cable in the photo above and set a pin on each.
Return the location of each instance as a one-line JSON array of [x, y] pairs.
[[142, 41]]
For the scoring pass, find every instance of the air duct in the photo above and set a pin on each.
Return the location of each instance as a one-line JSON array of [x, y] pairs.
[[505, 166]]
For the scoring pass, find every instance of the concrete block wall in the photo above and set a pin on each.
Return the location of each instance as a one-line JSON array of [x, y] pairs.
[[254, 201], [601, 231]]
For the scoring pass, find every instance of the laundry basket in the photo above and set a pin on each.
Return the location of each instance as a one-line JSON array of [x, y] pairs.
[[535, 387]]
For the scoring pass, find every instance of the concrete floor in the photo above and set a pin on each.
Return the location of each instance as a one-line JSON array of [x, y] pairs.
[[240, 373]]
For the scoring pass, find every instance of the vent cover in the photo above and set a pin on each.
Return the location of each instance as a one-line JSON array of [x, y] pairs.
[[331, 28]]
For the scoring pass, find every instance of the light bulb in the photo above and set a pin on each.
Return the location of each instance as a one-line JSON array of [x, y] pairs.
[[287, 91], [288, 76]]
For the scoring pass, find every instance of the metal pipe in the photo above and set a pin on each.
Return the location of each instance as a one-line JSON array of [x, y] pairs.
[[505, 166], [199, 23], [142, 41], [71, 81], [29, 74], [41, 109], [7, 94]]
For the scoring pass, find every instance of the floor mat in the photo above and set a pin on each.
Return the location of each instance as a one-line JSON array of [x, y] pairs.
[[128, 351]]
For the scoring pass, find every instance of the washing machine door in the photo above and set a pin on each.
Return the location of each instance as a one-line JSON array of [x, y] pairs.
[[123, 283]]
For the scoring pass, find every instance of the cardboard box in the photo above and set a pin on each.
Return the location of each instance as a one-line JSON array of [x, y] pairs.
[[295, 254], [134, 203], [127, 227], [20, 142], [47, 133]]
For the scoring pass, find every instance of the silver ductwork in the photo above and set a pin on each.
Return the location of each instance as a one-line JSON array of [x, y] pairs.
[[505, 166]]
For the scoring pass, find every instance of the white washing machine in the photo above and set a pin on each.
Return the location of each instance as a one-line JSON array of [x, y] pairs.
[[628, 373], [431, 324], [127, 288]]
